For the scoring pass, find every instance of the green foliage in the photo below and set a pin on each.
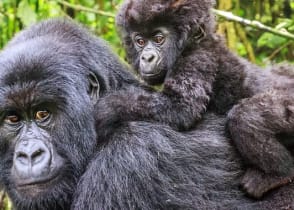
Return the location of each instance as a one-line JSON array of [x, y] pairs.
[[256, 45], [270, 41], [26, 14], [18, 14]]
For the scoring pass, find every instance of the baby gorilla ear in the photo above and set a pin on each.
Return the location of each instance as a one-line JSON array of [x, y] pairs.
[[94, 87]]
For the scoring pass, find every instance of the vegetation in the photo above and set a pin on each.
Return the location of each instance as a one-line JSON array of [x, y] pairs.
[[259, 44], [252, 42]]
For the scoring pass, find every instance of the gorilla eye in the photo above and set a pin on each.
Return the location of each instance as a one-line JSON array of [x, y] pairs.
[[140, 41], [159, 39], [42, 115], [12, 119]]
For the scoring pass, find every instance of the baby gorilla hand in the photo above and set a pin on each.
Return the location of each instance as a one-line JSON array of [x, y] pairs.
[[256, 183]]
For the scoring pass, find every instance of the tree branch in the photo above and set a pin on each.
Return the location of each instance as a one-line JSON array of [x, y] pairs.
[[227, 15], [278, 50], [86, 9], [254, 24]]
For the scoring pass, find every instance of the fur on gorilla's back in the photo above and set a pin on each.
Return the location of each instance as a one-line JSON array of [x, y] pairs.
[[149, 166]]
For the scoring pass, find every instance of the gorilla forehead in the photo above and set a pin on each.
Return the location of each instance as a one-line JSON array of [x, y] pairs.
[[188, 10], [39, 59], [38, 74]]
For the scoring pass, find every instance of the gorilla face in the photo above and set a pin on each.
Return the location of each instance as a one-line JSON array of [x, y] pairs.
[[156, 53], [46, 127]]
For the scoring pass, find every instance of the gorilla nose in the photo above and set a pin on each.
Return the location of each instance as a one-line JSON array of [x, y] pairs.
[[31, 159], [148, 57]]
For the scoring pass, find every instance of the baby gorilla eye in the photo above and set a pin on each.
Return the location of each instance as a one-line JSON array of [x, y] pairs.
[[42, 115], [159, 39], [140, 41], [12, 118]]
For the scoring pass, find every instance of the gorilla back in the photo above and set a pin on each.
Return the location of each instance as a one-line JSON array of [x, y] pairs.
[[51, 75]]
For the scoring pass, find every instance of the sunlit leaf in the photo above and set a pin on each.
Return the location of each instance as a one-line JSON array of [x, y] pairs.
[[270, 40], [26, 14]]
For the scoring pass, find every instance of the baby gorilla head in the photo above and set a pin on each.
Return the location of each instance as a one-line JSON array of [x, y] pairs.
[[155, 33], [50, 82]]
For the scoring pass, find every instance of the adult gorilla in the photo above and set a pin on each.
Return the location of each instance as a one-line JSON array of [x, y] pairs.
[[51, 76]]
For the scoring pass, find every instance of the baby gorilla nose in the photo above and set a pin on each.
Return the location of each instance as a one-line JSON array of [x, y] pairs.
[[148, 57], [32, 159], [149, 62]]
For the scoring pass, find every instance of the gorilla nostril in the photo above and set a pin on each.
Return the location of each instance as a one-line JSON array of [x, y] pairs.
[[148, 58], [22, 156], [37, 154]]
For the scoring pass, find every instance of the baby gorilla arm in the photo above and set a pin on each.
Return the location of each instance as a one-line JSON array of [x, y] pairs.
[[180, 104]]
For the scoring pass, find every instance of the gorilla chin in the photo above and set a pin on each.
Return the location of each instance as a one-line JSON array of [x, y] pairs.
[[153, 75], [156, 76], [38, 188]]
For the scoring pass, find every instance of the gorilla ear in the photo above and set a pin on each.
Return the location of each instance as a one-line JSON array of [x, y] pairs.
[[94, 87]]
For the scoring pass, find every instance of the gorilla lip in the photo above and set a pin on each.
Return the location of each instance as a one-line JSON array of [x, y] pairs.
[[40, 182], [157, 75], [151, 74]]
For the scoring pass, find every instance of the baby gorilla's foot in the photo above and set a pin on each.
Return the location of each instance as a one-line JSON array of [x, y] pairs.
[[256, 182]]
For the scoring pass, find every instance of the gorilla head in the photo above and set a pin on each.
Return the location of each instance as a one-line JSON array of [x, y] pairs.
[[51, 75], [156, 32]]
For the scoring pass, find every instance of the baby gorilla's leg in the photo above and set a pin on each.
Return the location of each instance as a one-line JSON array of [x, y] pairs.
[[254, 125]]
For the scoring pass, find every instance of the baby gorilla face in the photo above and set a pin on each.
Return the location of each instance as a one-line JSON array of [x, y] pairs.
[[155, 53]]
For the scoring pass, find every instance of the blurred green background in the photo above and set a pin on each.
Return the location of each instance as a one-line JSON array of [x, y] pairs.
[[257, 45]]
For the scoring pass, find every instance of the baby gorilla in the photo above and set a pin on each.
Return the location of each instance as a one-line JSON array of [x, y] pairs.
[[174, 42]]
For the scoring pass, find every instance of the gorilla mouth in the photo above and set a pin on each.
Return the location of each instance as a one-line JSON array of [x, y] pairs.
[[154, 78], [154, 73], [150, 75], [34, 187]]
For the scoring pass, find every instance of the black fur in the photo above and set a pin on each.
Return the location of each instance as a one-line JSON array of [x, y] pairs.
[[200, 73], [149, 166], [255, 123]]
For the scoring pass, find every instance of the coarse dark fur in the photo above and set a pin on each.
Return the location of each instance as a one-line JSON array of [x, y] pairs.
[[198, 72], [263, 119], [149, 166]]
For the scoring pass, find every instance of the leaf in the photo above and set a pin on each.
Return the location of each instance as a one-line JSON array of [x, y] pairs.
[[26, 14], [285, 24], [270, 40]]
